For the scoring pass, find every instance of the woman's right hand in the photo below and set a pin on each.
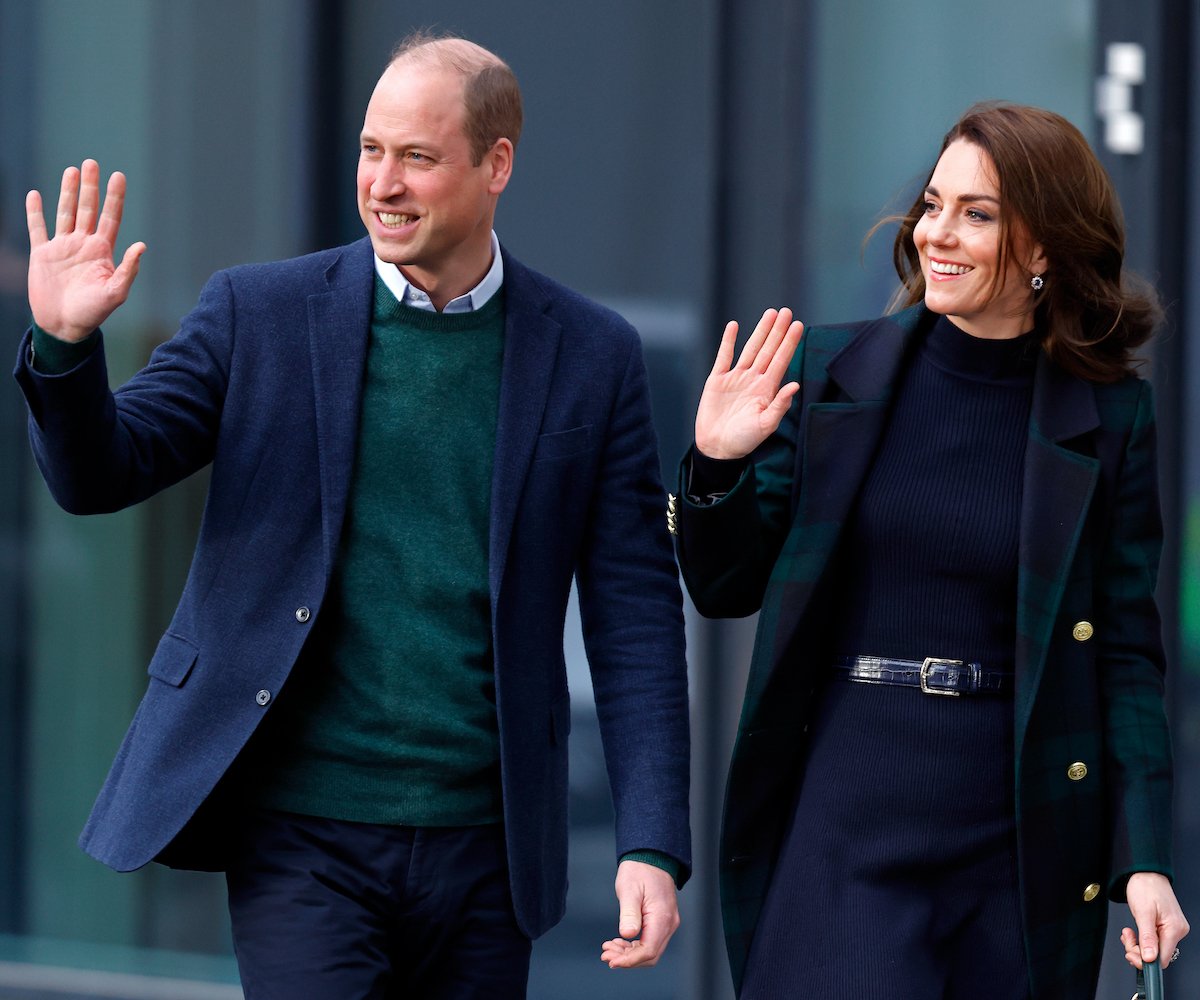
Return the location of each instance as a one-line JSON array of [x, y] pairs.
[[742, 404]]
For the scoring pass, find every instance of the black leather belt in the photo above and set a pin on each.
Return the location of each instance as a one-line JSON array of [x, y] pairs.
[[933, 675]]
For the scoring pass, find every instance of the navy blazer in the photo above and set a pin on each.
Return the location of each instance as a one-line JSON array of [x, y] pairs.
[[263, 381], [1093, 758]]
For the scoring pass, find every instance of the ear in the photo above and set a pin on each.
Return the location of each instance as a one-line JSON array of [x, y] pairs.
[[1037, 260], [499, 161]]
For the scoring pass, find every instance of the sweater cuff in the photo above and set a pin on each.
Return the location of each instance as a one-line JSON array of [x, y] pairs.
[[51, 356], [711, 478], [659, 860]]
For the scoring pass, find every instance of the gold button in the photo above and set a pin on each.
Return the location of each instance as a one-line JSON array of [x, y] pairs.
[[1082, 631], [1077, 771], [1091, 892]]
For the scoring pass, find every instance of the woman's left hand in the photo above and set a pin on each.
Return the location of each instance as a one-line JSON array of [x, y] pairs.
[[1161, 924]]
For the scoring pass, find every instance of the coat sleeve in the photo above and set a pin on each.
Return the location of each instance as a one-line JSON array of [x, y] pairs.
[[727, 549], [100, 451], [1131, 664], [631, 609]]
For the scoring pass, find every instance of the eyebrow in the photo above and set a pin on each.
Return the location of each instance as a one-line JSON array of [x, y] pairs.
[[966, 197]]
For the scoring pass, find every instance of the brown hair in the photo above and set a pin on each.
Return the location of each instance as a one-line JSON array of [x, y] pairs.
[[490, 92], [1053, 191]]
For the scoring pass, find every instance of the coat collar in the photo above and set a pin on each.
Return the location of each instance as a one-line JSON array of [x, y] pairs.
[[867, 368], [339, 320]]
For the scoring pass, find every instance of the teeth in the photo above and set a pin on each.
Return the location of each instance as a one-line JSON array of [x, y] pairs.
[[939, 268], [395, 218]]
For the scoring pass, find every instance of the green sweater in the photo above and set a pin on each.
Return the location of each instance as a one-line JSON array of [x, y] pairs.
[[390, 714]]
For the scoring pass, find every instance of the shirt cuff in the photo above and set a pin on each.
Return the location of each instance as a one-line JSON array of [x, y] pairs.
[[659, 860], [51, 356]]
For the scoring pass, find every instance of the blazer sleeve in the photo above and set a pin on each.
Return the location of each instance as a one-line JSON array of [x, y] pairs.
[[631, 610], [1130, 662], [100, 451], [727, 548]]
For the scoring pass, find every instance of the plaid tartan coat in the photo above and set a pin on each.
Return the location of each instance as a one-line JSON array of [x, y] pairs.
[[1088, 649]]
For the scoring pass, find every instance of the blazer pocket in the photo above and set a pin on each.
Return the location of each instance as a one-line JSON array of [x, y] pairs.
[[563, 444], [173, 659]]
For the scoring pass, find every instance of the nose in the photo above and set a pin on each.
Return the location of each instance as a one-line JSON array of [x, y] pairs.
[[941, 231], [388, 181]]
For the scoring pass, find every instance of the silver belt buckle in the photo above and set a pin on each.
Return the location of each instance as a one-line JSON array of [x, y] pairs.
[[926, 664]]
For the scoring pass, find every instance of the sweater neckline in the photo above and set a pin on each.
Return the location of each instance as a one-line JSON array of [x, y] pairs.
[[1009, 362]]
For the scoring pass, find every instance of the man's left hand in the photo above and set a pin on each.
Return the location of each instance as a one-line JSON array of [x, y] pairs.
[[649, 916]]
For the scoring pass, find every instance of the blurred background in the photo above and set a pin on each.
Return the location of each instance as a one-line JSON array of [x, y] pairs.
[[684, 161]]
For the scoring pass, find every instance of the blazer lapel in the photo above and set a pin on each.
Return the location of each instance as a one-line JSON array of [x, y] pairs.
[[531, 339], [339, 320], [1058, 486]]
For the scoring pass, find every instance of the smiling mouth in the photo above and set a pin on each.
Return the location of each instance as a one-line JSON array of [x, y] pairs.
[[942, 267], [394, 220]]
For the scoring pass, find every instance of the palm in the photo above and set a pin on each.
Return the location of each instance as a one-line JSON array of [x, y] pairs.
[[73, 283], [743, 403]]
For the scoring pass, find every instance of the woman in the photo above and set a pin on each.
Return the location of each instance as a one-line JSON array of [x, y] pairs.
[[953, 748]]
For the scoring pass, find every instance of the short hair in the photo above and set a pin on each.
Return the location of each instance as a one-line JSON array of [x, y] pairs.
[[1054, 191], [491, 95]]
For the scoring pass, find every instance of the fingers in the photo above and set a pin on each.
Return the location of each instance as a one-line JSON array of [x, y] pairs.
[[89, 197], [725, 352], [68, 202], [759, 337], [783, 352], [35, 220], [79, 205], [114, 206], [648, 912], [1129, 942], [775, 335]]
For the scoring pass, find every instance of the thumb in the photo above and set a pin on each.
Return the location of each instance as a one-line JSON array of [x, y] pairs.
[[1147, 928], [630, 925]]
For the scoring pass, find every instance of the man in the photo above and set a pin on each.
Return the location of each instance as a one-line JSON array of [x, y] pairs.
[[359, 710]]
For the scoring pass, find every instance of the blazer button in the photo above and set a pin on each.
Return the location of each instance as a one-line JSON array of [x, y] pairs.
[[1077, 771], [1082, 631], [1091, 892], [303, 615], [263, 696]]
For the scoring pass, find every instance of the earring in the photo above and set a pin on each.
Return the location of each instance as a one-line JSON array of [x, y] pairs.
[[1037, 283]]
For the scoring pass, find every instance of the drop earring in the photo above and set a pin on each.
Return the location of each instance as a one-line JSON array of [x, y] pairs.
[[1037, 283]]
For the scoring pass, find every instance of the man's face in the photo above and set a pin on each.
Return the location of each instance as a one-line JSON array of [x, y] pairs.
[[426, 207]]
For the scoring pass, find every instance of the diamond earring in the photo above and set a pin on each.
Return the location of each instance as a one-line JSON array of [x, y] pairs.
[[1037, 283]]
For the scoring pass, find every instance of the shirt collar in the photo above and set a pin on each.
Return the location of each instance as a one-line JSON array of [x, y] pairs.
[[476, 298]]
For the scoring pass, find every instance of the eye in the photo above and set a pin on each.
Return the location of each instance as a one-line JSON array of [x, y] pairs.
[[978, 215], [929, 207], [369, 148], [417, 157]]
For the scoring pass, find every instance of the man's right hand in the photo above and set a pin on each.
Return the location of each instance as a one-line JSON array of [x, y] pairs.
[[73, 285]]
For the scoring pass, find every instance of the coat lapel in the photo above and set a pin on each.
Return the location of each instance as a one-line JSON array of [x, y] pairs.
[[339, 320], [531, 339], [841, 432], [1059, 482]]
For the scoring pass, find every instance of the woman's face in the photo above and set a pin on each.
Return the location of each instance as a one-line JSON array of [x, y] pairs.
[[958, 240]]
